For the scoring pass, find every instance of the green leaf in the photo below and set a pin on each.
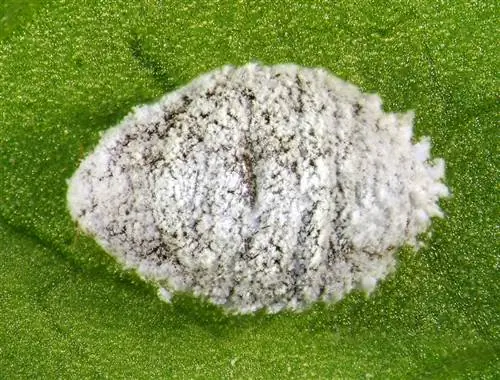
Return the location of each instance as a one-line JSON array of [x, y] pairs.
[[70, 69]]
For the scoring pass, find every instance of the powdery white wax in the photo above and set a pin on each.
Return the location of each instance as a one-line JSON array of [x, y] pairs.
[[259, 187]]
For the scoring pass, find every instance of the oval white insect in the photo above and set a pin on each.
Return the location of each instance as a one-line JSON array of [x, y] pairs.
[[259, 187]]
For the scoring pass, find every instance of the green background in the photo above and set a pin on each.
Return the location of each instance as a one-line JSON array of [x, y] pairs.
[[70, 69]]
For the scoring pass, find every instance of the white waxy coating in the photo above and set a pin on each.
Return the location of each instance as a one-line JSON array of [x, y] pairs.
[[259, 187]]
